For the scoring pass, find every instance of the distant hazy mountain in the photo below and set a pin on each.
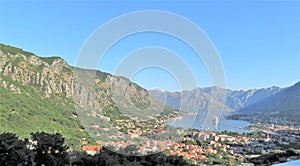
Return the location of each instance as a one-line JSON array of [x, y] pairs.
[[210, 98], [191, 101], [239, 99], [286, 103]]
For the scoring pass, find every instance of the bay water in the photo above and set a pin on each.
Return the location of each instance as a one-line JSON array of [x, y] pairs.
[[198, 121]]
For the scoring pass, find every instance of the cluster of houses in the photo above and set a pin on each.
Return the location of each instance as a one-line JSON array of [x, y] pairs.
[[136, 128], [147, 146], [216, 144], [204, 136]]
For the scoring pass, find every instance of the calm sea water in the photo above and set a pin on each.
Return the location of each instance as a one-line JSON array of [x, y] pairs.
[[197, 122]]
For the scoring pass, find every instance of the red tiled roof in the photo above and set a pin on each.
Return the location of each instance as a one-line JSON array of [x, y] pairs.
[[91, 148], [158, 131]]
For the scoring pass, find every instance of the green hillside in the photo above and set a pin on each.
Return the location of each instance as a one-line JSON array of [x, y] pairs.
[[24, 114]]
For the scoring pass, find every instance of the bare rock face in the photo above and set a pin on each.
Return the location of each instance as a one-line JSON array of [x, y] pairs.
[[24, 72], [50, 78], [128, 93]]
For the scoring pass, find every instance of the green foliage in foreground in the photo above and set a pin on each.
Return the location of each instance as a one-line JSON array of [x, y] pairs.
[[274, 158], [49, 149], [41, 149], [23, 114]]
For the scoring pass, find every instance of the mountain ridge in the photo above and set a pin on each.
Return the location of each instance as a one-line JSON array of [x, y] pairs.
[[234, 99], [285, 103]]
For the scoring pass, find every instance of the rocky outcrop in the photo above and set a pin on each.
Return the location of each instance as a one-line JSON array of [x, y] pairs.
[[47, 78], [26, 73]]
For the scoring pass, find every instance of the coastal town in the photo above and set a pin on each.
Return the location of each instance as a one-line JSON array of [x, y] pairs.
[[206, 147]]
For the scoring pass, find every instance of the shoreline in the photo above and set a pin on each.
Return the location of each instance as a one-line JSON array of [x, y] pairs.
[[189, 121]]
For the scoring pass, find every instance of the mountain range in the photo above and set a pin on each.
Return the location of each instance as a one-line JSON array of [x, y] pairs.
[[201, 98], [283, 102]]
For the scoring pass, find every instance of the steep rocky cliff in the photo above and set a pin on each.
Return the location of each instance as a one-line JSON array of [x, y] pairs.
[[54, 77]]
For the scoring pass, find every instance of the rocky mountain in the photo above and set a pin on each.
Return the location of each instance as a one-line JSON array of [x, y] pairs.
[[285, 103], [239, 99], [205, 98], [190, 101], [46, 94]]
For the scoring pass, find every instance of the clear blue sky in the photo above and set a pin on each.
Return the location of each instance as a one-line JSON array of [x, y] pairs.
[[258, 41]]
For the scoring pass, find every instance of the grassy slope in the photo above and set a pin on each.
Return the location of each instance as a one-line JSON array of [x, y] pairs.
[[24, 114]]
